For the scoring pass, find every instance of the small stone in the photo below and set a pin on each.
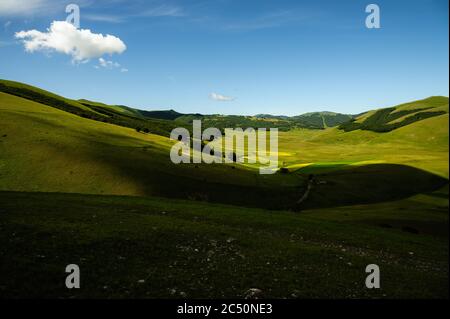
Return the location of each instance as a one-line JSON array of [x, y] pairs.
[[253, 293]]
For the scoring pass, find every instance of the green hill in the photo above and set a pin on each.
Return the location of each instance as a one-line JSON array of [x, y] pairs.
[[312, 120], [423, 145], [389, 119], [165, 115], [117, 115], [322, 119], [46, 149]]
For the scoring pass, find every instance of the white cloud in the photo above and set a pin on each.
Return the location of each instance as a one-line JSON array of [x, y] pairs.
[[220, 97], [108, 64], [63, 37], [102, 63]]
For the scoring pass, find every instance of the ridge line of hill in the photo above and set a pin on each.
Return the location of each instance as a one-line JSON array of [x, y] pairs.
[[161, 122]]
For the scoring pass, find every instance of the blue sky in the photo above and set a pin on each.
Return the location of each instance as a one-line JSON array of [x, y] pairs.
[[278, 57]]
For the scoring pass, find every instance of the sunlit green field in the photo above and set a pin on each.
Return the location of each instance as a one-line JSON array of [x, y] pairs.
[[422, 145]]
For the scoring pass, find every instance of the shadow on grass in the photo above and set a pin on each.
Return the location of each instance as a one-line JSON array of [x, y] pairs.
[[370, 184], [228, 185]]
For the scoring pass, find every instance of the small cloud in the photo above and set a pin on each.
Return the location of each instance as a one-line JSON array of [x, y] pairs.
[[106, 64], [7, 24], [220, 97], [63, 37]]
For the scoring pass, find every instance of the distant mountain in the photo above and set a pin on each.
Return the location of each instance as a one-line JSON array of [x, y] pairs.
[[163, 115], [323, 119], [317, 120], [270, 116]]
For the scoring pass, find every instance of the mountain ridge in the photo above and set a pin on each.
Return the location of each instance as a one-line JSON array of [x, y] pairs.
[[162, 121]]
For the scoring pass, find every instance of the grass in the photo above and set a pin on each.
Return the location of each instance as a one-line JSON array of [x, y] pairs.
[[46, 149], [389, 119], [423, 145], [72, 154], [188, 249], [118, 115], [106, 197]]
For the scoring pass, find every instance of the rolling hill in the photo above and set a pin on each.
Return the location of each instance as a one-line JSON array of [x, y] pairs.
[[93, 191], [322, 119], [162, 122], [118, 115], [52, 149], [389, 119], [46, 149]]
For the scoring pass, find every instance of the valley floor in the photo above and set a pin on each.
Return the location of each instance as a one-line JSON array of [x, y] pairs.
[[135, 247]]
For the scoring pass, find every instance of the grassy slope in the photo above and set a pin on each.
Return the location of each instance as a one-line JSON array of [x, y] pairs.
[[72, 154], [388, 119], [187, 249], [16, 87], [422, 145], [46, 149], [113, 114], [118, 108]]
